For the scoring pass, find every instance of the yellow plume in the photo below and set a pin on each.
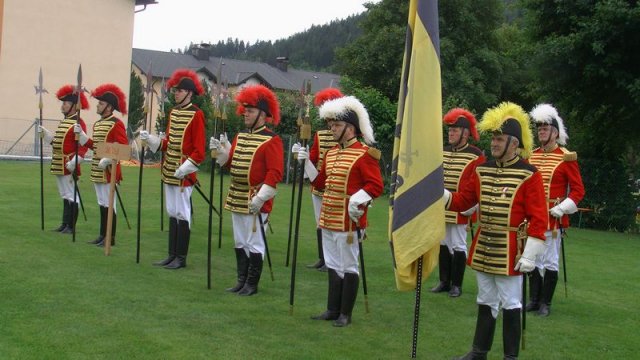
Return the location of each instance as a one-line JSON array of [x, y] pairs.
[[493, 119]]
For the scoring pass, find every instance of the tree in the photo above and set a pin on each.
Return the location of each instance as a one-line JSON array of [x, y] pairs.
[[585, 66], [136, 105], [375, 58]]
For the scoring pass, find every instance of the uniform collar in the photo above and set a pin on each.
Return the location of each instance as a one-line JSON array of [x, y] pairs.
[[508, 162], [349, 143]]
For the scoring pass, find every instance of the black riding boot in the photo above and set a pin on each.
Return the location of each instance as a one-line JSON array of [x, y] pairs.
[[444, 266], [173, 238], [255, 270], [242, 262], [182, 246], [548, 288], [72, 218], [535, 287], [320, 263], [65, 216], [103, 227], [113, 228], [457, 273], [349, 293], [511, 333], [483, 338], [334, 298]]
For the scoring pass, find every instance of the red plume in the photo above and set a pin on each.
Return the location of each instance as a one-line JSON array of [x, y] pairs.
[[185, 79], [112, 95], [326, 94], [67, 93], [454, 114], [259, 96]]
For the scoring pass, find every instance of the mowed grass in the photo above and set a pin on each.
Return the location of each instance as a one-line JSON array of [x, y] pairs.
[[65, 300]]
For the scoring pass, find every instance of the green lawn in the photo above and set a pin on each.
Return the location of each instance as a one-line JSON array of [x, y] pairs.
[[65, 300]]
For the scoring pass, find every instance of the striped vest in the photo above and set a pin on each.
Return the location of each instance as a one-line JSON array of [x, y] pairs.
[[454, 164], [335, 200], [58, 157], [101, 130], [496, 240], [173, 158], [547, 163], [240, 191], [326, 142]]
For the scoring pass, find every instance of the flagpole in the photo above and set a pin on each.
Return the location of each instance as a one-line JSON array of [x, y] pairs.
[[416, 310]]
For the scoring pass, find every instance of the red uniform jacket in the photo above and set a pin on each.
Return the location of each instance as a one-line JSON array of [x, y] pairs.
[[184, 142], [64, 146], [561, 177], [508, 193], [256, 157], [109, 130], [459, 166], [344, 172]]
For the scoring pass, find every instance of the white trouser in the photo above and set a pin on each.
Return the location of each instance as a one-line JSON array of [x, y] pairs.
[[178, 201], [317, 204], [102, 193], [499, 291], [549, 259], [455, 238], [243, 234], [338, 255], [65, 187]]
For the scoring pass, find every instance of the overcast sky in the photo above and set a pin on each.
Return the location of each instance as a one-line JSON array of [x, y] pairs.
[[173, 24]]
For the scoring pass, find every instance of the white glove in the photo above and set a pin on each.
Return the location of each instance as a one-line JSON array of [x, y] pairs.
[[222, 146], [265, 194], [567, 206], [82, 136], [71, 164], [470, 212], [310, 171], [303, 153], [45, 134], [296, 147], [152, 140], [104, 163], [446, 196], [185, 169], [533, 249], [359, 198]]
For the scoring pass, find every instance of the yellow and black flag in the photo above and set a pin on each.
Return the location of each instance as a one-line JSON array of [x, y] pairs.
[[416, 213]]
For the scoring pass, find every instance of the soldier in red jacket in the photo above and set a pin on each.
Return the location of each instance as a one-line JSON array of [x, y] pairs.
[[564, 190], [512, 220], [460, 161], [184, 148], [351, 179], [322, 141], [64, 156], [109, 129], [255, 160]]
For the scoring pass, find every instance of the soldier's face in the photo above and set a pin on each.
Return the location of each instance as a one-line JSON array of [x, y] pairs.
[[250, 116], [455, 135], [499, 144], [546, 133], [101, 106], [337, 129], [66, 107], [180, 94]]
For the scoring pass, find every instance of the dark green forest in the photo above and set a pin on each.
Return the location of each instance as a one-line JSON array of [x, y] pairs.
[[581, 56]]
